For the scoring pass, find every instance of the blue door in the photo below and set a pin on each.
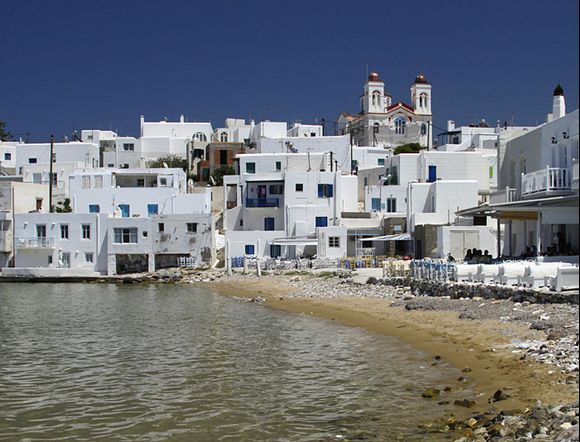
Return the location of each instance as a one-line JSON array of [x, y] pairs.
[[376, 204], [432, 174], [321, 221], [125, 211], [268, 223]]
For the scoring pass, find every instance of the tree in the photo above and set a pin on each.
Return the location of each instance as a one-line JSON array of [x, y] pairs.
[[173, 161], [408, 148], [218, 174], [4, 135]]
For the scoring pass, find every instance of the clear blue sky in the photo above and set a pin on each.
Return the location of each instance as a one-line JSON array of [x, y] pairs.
[[100, 64]]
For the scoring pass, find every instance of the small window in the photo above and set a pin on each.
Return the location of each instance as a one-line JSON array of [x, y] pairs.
[[250, 167], [334, 241], [191, 227], [125, 236], [140, 182], [249, 249], [161, 227], [7, 156], [64, 231], [312, 134], [321, 221], [32, 161], [325, 191], [276, 189], [86, 231], [163, 182], [278, 165], [128, 147], [152, 209], [86, 182], [110, 165], [89, 257], [145, 234], [391, 205], [299, 187], [94, 208], [381, 161], [491, 171], [50, 259], [241, 223]]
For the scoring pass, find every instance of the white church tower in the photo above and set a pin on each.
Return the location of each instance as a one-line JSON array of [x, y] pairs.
[[373, 100], [559, 104], [421, 95]]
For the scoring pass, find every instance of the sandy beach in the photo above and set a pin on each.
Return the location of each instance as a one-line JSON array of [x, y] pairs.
[[479, 347]]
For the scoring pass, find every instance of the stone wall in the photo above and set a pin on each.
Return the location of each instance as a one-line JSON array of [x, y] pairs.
[[456, 290]]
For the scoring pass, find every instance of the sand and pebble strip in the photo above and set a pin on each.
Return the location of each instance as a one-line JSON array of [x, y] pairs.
[[553, 341]]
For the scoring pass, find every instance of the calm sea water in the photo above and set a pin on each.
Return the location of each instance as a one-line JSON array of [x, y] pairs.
[[167, 362]]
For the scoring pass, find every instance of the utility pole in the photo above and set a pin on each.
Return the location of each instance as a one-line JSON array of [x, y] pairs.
[[50, 175]]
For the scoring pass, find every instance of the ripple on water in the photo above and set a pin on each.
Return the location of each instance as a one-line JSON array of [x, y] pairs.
[[169, 362]]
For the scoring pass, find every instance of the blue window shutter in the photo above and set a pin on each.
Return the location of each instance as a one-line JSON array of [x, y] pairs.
[[249, 249], [320, 191], [330, 191]]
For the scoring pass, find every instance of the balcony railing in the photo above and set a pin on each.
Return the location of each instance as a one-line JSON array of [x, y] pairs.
[[262, 202], [35, 243], [506, 195], [549, 179]]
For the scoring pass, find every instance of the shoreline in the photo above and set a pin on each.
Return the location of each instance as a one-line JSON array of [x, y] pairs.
[[474, 346]]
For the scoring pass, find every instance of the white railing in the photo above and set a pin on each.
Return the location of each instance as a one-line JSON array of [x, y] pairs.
[[506, 195], [365, 251], [34, 243], [546, 180]]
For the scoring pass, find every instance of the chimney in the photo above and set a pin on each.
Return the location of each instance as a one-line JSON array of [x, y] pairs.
[[559, 104]]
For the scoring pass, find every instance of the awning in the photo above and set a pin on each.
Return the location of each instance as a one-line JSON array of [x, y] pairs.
[[398, 237], [295, 241]]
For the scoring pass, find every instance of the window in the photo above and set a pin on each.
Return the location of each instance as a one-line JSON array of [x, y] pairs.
[[423, 129], [94, 208], [325, 191], [376, 204], [144, 233], [241, 223], [162, 182], [54, 178], [432, 174], [191, 227], [312, 134], [278, 165], [250, 167], [50, 259], [224, 137], [128, 147], [366, 181], [269, 224], [65, 262], [125, 210], [86, 182], [381, 161], [334, 241], [41, 231], [249, 249], [161, 227], [125, 235], [89, 257], [32, 161], [276, 189], [86, 231], [223, 156], [321, 221], [299, 187], [400, 124], [110, 165], [7, 156], [391, 205], [124, 166], [152, 209], [64, 231], [491, 171], [38, 204], [140, 182], [199, 136]]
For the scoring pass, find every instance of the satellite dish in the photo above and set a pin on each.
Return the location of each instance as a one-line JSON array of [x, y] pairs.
[[165, 165]]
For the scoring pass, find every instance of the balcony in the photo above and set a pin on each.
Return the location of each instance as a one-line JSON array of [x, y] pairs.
[[549, 180], [262, 202], [35, 243]]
